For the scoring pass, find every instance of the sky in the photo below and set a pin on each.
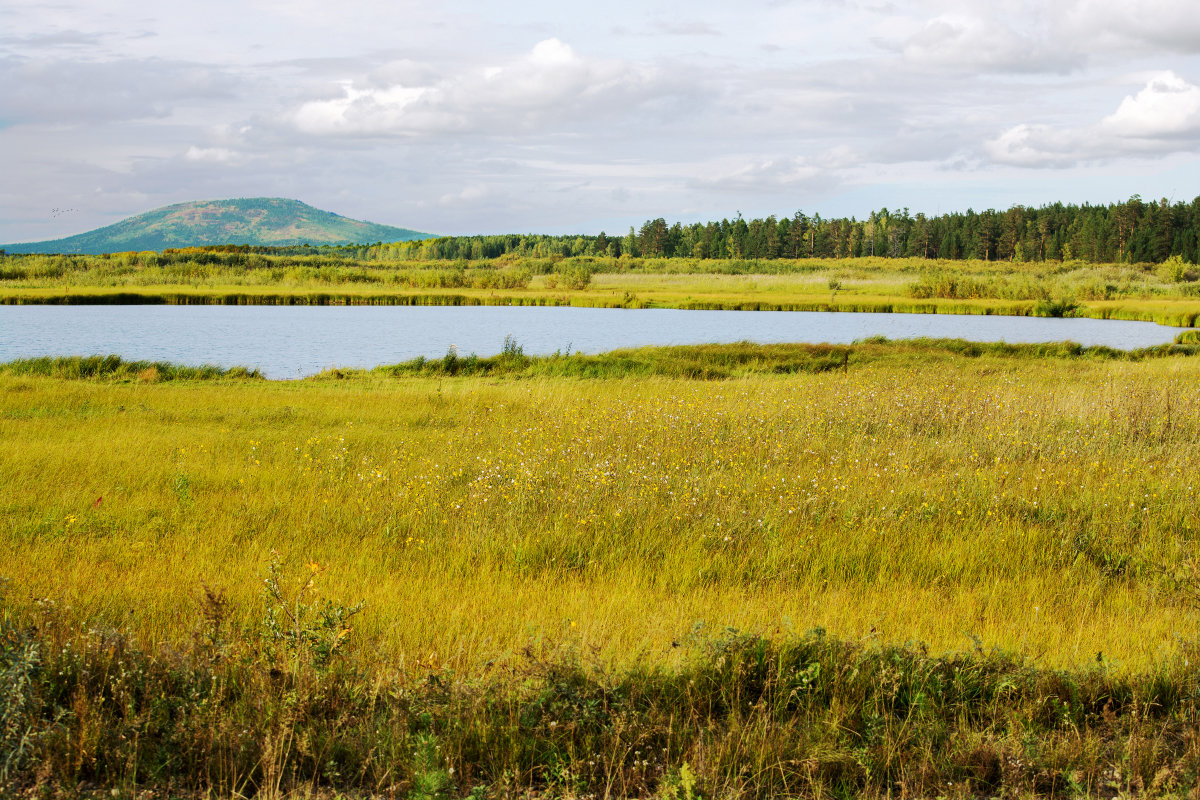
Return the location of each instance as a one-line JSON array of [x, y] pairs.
[[464, 117]]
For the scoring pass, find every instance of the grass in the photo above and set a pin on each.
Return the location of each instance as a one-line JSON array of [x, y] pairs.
[[744, 359], [1124, 291], [113, 367], [576, 585]]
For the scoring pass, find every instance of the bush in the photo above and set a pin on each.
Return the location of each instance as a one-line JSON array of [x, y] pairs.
[[1176, 270], [574, 275], [1055, 307]]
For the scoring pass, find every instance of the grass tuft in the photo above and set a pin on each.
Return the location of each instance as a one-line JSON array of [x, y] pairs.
[[115, 368]]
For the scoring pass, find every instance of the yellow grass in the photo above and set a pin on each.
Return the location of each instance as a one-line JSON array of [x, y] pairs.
[[1120, 291], [1031, 504]]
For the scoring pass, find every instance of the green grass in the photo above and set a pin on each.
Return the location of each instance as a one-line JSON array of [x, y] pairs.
[[999, 540], [743, 359], [113, 367]]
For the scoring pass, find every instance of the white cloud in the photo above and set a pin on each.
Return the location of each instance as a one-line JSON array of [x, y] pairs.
[[767, 175], [1147, 26], [986, 42], [1038, 146], [469, 194], [1162, 118], [215, 155], [1031, 36], [551, 82], [360, 111], [1167, 107]]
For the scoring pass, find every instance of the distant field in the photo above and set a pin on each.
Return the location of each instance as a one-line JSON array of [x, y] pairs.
[[1167, 293], [961, 500]]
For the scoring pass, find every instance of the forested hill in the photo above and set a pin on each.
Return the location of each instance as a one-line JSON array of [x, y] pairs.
[[259, 221], [1134, 231]]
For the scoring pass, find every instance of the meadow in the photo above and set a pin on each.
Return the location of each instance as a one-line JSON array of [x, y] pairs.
[[914, 569], [1168, 293]]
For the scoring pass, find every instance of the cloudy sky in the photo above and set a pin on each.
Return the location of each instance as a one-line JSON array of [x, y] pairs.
[[531, 115]]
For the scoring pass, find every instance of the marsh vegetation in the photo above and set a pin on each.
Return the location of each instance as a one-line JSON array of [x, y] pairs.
[[1166, 292], [899, 568]]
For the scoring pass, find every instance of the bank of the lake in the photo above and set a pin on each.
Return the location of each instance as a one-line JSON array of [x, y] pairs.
[[1167, 293], [294, 341], [1167, 311]]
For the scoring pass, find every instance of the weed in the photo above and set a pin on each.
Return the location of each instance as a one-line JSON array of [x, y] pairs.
[[313, 630], [512, 351], [20, 659], [1056, 307], [182, 485]]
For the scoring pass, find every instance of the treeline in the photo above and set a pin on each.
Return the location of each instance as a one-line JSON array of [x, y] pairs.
[[1132, 232]]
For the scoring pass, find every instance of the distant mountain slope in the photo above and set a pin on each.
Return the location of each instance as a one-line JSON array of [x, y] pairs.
[[255, 221]]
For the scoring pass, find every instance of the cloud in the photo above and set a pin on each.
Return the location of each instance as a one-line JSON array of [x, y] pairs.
[[1030, 37], [985, 42], [1162, 118], [552, 82], [215, 155], [1147, 26], [770, 175], [469, 194], [41, 41], [1038, 146], [662, 27], [1167, 107], [82, 92], [685, 28]]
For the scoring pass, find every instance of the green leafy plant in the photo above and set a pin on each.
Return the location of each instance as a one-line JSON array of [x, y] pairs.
[[1176, 270], [1056, 307], [311, 629]]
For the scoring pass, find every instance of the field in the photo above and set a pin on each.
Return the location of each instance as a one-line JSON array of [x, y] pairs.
[[895, 568], [1167, 293]]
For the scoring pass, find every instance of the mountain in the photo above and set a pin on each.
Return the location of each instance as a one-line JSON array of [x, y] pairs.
[[256, 221]]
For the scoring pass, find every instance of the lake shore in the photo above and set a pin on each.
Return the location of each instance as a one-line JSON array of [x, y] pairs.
[[1100, 291], [1170, 312]]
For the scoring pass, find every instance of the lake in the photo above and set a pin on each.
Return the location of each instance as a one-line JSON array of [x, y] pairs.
[[293, 341]]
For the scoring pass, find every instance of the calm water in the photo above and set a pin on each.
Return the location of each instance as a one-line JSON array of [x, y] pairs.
[[288, 342]]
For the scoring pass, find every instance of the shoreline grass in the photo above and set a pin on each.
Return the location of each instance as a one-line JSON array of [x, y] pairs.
[[743, 359], [1181, 313], [113, 367], [688, 362], [1147, 292]]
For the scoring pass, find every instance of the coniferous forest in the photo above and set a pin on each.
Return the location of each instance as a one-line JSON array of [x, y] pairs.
[[1136, 231]]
